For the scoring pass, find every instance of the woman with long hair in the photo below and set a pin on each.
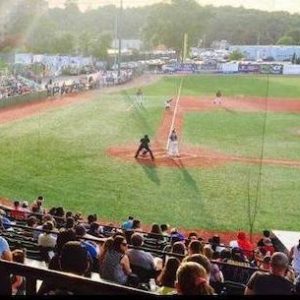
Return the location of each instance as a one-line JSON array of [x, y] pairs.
[[167, 277]]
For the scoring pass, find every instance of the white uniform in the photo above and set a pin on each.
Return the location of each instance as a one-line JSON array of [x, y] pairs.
[[173, 145]]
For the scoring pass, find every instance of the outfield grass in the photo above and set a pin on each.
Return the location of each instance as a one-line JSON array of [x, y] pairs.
[[61, 154]]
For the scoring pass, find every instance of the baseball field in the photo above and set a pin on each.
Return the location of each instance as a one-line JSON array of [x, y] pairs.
[[235, 156]]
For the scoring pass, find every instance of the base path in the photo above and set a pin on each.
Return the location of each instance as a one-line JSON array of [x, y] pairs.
[[199, 157]]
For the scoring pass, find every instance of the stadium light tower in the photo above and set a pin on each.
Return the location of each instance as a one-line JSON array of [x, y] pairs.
[[119, 26]]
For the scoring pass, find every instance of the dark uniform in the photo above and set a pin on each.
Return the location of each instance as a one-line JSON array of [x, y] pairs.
[[144, 146]]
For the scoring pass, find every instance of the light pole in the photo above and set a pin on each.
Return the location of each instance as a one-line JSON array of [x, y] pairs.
[[119, 26]]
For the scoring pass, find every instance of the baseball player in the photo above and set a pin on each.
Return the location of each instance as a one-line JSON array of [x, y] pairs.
[[139, 97], [218, 99], [168, 103], [173, 144]]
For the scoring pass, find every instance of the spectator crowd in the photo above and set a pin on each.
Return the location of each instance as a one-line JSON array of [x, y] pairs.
[[11, 86], [163, 260]]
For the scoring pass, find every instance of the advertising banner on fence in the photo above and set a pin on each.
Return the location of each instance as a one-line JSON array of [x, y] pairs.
[[291, 70], [271, 69], [249, 68], [186, 68]]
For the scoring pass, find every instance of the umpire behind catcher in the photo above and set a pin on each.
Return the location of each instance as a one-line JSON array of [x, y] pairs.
[[144, 145]]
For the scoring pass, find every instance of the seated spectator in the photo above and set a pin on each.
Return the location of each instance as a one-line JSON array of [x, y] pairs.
[[238, 258], [167, 277], [225, 255], [216, 276], [47, 239], [63, 237], [25, 208], [90, 219], [127, 225], [139, 257], [192, 280], [18, 282], [177, 248], [164, 231], [5, 220], [201, 260], [216, 244], [155, 232], [268, 246], [95, 230], [136, 225], [266, 264], [104, 249], [244, 244], [60, 217], [273, 283], [52, 211], [116, 265], [195, 247], [176, 236], [74, 259], [70, 223], [91, 246], [5, 254], [37, 206]]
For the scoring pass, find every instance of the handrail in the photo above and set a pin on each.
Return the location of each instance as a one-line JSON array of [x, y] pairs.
[[62, 280]]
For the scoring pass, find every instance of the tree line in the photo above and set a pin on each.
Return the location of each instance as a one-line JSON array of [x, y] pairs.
[[71, 31]]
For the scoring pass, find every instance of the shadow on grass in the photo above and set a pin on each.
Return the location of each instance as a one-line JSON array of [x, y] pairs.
[[151, 172], [193, 185]]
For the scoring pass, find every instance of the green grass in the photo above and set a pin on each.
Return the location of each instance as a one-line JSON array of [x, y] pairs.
[[61, 154], [243, 134]]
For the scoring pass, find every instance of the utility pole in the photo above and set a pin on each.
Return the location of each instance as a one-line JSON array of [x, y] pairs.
[[120, 37]]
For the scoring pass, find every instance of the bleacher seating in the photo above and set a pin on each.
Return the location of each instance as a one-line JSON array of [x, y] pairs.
[[235, 276]]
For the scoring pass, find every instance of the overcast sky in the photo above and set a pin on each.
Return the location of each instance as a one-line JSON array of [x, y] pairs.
[[270, 5]]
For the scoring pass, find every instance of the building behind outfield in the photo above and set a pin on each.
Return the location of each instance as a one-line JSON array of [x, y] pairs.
[[277, 53]]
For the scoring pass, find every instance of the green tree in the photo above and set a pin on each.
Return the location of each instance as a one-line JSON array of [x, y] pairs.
[[168, 23], [295, 35], [64, 43], [286, 40], [236, 55], [100, 46]]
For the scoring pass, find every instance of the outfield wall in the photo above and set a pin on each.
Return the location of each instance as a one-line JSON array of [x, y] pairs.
[[234, 68], [22, 99]]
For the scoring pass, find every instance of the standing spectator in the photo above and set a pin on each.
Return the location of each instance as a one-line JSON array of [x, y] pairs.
[[295, 258], [164, 230], [273, 283], [192, 280]]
